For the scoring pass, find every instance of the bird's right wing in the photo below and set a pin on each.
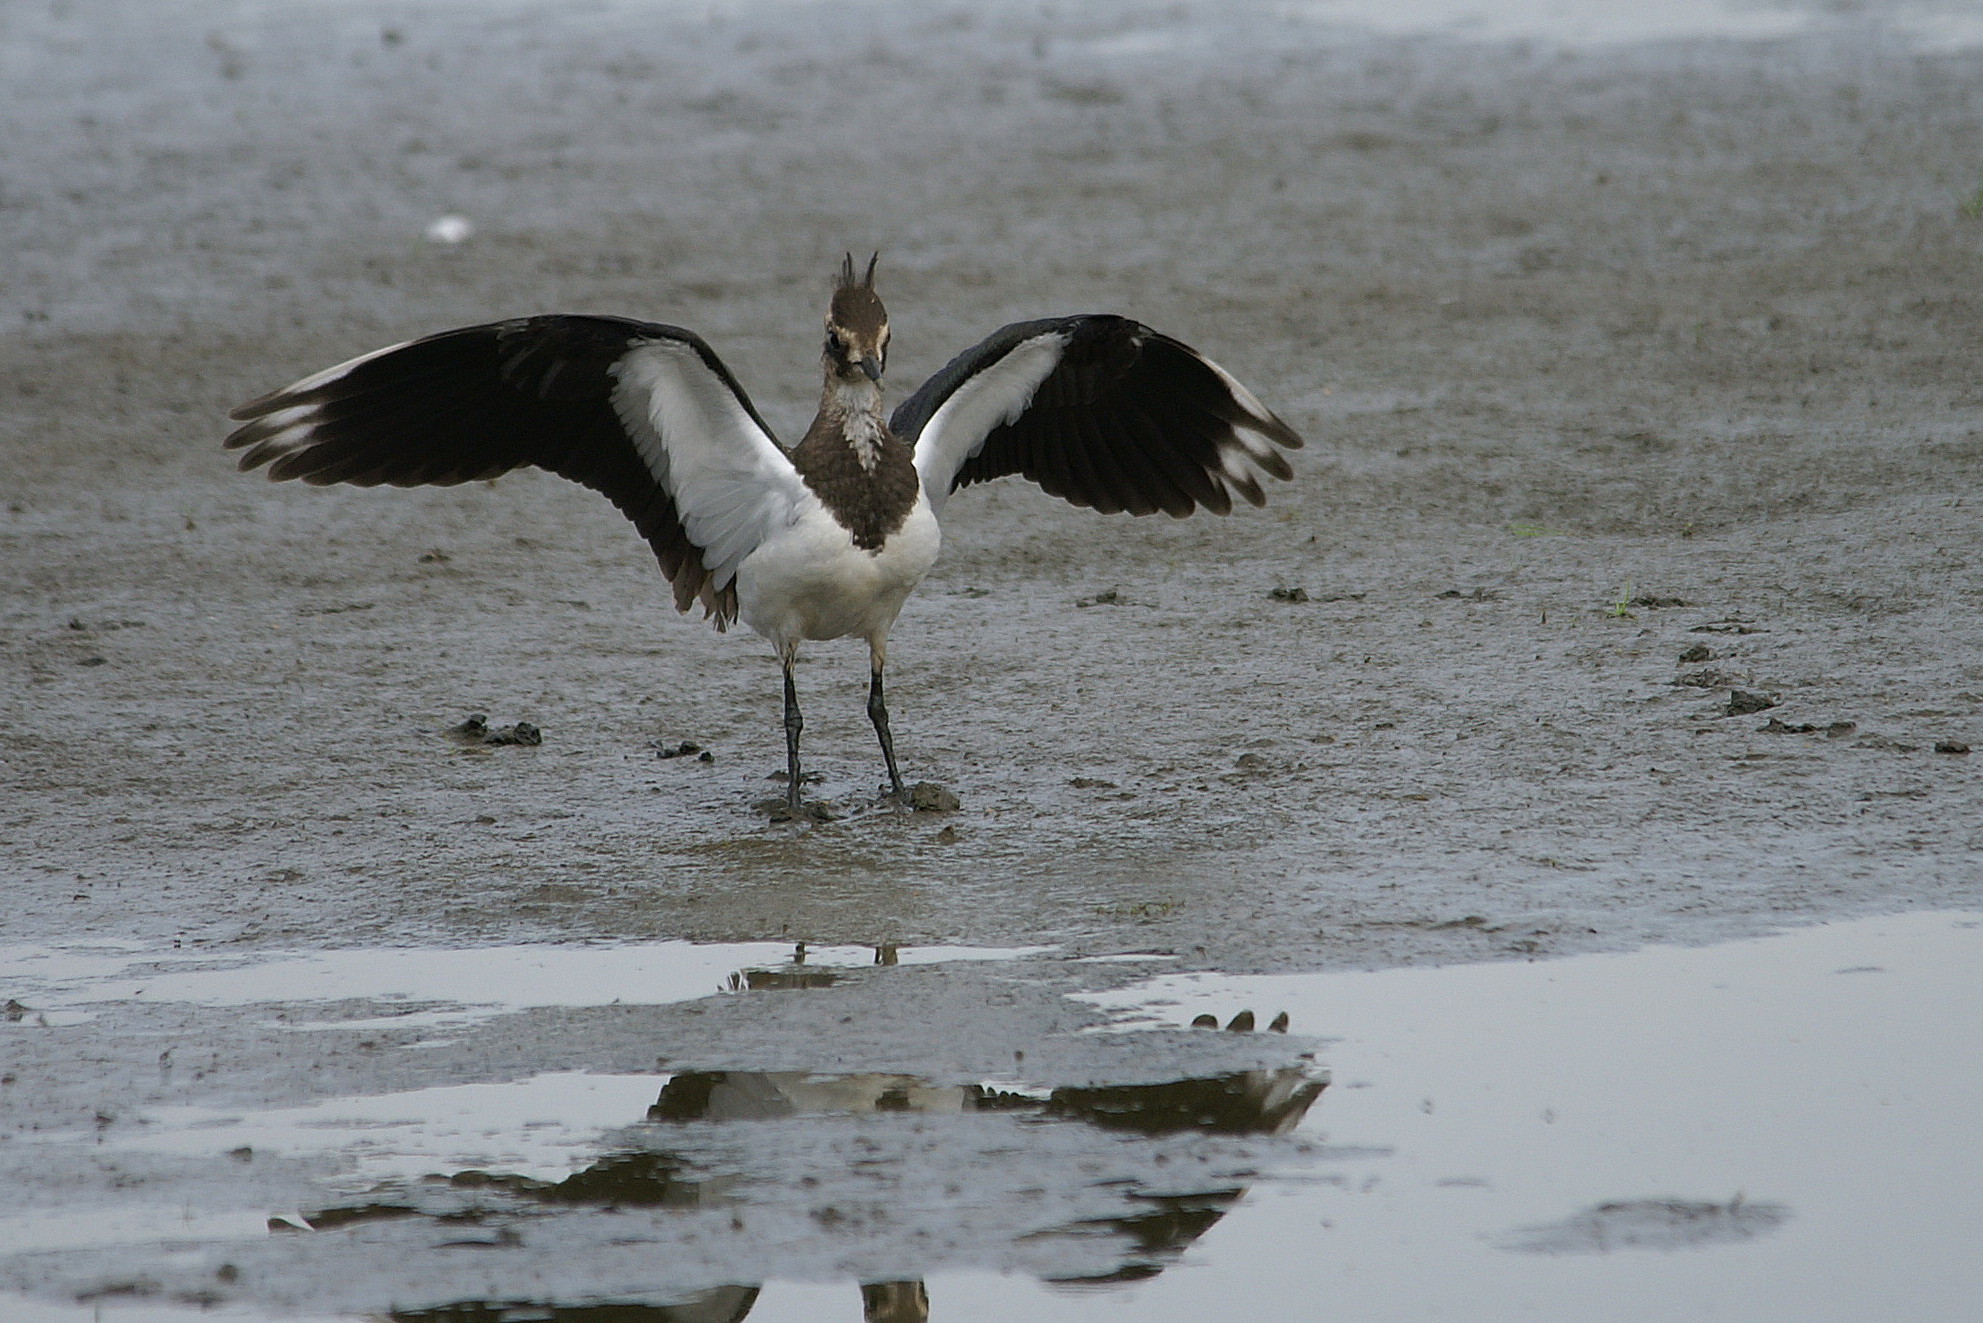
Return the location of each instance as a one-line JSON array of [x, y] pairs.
[[1100, 411], [643, 413]]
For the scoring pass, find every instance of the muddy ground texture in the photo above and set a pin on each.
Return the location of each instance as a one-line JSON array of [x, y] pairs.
[[1631, 377], [1635, 380]]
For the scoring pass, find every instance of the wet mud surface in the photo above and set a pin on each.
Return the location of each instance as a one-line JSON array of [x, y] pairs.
[[1626, 591]]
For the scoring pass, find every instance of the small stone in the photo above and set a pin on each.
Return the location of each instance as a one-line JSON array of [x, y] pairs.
[[1700, 652], [1951, 746], [1742, 703], [1289, 594]]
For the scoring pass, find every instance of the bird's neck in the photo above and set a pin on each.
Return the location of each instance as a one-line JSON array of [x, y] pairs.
[[852, 409]]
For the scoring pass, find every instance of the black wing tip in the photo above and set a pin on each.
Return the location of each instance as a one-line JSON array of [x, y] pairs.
[[1270, 426]]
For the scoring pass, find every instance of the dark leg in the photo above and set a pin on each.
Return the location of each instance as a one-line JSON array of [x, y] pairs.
[[794, 723], [878, 714]]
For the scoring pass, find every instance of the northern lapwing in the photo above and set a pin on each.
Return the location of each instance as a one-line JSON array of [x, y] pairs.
[[821, 541]]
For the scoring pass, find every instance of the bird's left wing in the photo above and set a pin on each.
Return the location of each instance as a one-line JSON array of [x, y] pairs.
[[1099, 410], [643, 413]]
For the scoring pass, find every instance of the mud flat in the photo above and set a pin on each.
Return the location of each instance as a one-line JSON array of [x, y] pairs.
[[1627, 592]]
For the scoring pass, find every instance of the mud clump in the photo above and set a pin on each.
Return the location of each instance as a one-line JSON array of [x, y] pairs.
[[810, 810], [476, 731], [929, 797], [1951, 746], [685, 749], [1833, 730], [1742, 703]]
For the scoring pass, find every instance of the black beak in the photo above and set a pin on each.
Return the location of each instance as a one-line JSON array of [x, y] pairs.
[[872, 366]]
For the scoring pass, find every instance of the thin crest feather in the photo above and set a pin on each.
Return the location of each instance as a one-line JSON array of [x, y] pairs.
[[847, 278]]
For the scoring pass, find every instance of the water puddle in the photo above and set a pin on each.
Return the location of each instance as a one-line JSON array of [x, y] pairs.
[[436, 985], [1783, 1128]]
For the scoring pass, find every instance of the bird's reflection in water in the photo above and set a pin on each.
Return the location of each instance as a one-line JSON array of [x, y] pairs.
[[881, 1302], [1152, 1231], [723, 1304]]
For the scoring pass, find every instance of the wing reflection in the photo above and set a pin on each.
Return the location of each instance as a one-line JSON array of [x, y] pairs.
[[699, 1153], [724, 1304]]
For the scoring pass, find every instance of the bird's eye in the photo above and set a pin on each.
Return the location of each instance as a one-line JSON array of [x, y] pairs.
[[835, 345]]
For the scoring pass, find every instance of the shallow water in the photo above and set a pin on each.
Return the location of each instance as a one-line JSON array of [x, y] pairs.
[[1775, 1128], [456, 985]]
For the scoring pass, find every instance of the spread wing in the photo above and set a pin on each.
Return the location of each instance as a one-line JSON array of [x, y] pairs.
[[1099, 410], [645, 414]]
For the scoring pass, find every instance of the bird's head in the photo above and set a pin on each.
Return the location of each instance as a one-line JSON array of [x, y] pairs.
[[856, 326]]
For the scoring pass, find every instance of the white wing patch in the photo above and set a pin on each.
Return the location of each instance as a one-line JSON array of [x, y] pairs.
[[731, 484], [987, 400]]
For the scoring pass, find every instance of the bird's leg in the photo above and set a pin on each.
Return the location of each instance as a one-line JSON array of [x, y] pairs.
[[794, 723], [878, 714]]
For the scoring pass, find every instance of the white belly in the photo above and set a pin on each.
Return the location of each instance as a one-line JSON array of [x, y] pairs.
[[809, 580]]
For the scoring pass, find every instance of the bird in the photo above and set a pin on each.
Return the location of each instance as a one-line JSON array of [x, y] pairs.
[[824, 540]]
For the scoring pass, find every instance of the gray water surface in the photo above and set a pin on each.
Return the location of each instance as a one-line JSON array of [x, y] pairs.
[[1777, 1128]]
